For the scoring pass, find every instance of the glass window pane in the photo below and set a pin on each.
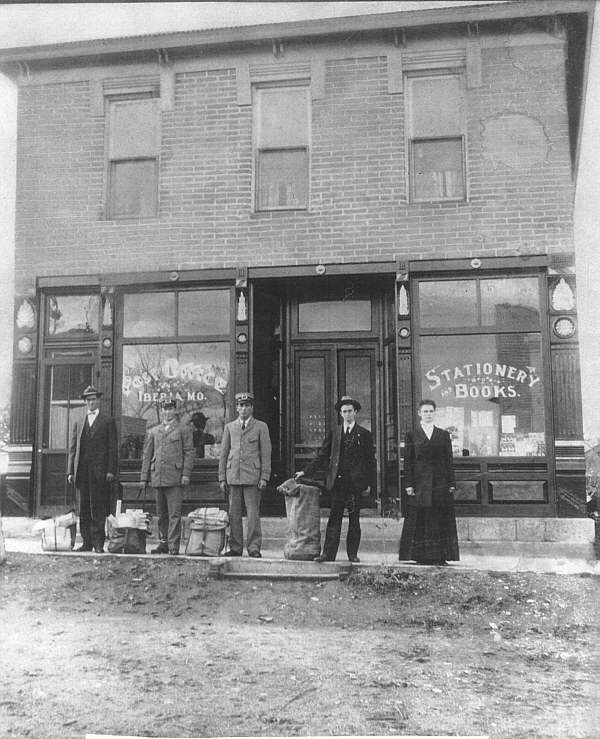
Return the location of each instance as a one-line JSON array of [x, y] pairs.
[[311, 412], [334, 315], [204, 312], [510, 302], [448, 304], [436, 106], [358, 382], [65, 384], [73, 315], [283, 179], [196, 375], [149, 314], [489, 392], [438, 169], [133, 188], [134, 128], [283, 117]]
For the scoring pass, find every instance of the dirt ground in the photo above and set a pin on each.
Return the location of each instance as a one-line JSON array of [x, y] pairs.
[[149, 647]]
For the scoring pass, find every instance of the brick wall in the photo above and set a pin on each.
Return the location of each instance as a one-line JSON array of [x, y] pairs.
[[519, 176]]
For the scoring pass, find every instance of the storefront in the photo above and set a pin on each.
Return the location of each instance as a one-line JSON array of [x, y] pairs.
[[493, 342]]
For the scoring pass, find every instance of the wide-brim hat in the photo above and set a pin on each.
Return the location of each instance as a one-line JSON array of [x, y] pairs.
[[89, 391], [347, 400]]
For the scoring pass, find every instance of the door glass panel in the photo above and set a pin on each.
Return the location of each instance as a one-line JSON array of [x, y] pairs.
[[334, 315], [311, 411], [358, 384], [65, 385]]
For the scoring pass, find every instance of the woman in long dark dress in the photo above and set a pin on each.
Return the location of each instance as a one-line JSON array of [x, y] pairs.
[[429, 532]]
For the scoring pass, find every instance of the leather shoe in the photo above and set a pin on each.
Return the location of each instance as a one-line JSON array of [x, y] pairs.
[[83, 548], [99, 550], [160, 549], [230, 553], [319, 558], [354, 558], [257, 555]]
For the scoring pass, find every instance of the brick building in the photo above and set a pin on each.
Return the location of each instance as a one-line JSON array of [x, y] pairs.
[[379, 205]]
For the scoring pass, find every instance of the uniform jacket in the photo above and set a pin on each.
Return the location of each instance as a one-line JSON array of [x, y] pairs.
[[362, 465], [102, 455], [245, 456], [428, 468], [168, 455]]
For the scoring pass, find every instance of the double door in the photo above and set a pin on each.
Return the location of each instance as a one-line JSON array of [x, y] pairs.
[[321, 375]]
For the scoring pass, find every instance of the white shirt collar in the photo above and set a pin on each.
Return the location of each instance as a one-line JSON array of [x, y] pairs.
[[349, 427]]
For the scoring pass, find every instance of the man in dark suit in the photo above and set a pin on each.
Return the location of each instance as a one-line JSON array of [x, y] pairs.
[[349, 455], [167, 463], [92, 466]]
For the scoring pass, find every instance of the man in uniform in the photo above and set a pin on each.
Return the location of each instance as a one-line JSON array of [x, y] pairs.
[[244, 470], [92, 466], [349, 455], [167, 462]]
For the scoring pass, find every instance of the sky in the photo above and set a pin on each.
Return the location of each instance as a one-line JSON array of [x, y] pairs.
[[25, 24]]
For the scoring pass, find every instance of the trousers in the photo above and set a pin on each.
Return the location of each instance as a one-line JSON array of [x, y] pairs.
[[169, 501], [342, 497], [250, 495]]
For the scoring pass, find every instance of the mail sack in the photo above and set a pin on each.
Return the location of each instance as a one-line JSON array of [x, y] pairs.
[[303, 511], [208, 532], [127, 541]]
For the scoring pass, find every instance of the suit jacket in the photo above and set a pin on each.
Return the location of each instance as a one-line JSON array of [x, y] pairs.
[[245, 457], [428, 468], [362, 463], [101, 447], [168, 455]]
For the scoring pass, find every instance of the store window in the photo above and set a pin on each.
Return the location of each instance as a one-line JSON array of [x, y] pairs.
[[133, 150], [189, 366], [482, 364], [436, 137], [282, 130]]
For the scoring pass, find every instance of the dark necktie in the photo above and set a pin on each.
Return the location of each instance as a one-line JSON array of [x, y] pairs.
[[243, 425]]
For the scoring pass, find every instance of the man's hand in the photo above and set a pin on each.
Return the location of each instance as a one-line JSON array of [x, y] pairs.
[[452, 490], [262, 484], [70, 479], [185, 480], [410, 491], [366, 491], [223, 486], [109, 477], [298, 475]]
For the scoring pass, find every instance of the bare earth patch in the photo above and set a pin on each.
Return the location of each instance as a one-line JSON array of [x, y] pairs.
[[150, 647]]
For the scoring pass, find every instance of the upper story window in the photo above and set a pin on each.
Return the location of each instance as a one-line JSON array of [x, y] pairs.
[[133, 148], [282, 135], [436, 137]]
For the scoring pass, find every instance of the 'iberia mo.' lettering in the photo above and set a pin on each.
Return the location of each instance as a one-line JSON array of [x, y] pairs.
[[481, 380]]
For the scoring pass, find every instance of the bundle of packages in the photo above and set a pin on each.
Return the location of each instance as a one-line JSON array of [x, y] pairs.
[[127, 531], [58, 533], [208, 532], [303, 511]]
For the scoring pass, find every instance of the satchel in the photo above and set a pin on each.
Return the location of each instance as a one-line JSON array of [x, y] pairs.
[[208, 532], [127, 540]]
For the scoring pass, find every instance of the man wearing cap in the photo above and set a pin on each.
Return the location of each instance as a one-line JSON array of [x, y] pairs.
[[349, 455], [244, 470], [167, 462], [92, 466]]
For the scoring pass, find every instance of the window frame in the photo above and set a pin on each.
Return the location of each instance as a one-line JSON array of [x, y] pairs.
[[412, 138], [109, 196], [257, 150]]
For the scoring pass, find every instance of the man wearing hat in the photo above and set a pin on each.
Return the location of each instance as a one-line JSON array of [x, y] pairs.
[[167, 462], [349, 455], [244, 470], [92, 466]]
